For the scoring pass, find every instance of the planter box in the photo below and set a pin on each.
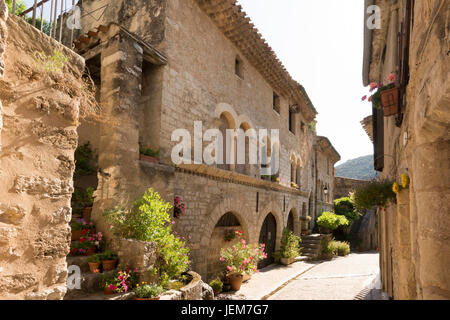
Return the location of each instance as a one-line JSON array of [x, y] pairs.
[[287, 261], [136, 254], [389, 101], [148, 159]]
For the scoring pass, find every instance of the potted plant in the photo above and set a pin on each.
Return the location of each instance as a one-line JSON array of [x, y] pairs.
[[149, 155], [342, 248], [241, 259], [230, 235], [94, 263], [93, 241], [148, 292], [179, 208], [80, 227], [79, 248], [290, 247], [217, 286], [328, 249], [83, 200], [329, 221], [109, 260], [387, 96], [119, 282]]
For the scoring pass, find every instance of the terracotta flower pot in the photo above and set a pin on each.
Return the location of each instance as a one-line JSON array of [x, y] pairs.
[[148, 159], [76, 235], [87, 214], [150, 299], [235, 281], [108, 291], [91, 251], [94, 266], [287, 261], [109, 265], [389, 101]]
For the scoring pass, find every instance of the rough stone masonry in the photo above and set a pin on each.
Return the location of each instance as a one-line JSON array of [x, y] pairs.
[[38, 122]]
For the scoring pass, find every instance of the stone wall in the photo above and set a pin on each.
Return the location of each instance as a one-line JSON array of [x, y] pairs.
[[415, 246], [345, 186], [40, 117], [143, 104]]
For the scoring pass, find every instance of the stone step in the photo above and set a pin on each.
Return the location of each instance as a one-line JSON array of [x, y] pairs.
[[80, 261], [100, 295], [90, 284], [311, 251], [310, 245]]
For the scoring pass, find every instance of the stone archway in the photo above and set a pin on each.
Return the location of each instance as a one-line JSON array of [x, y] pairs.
[[227, 224], [228, 205], [268, 237]]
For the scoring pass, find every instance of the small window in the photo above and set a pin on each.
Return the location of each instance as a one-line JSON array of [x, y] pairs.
[[291, 121], [302, 126], [238, 67], [276, 102]]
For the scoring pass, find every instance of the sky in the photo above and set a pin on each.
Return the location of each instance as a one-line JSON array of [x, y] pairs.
[[320, 42]]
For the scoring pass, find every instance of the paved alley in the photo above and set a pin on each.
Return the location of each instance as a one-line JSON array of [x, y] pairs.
[[343, 278]]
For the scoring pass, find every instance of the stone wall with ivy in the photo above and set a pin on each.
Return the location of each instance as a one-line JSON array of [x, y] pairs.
[[40, 92]]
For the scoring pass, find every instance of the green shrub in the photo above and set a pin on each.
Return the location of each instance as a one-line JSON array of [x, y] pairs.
[[290, 245], [149, 220], [344, 206], [94, 259], [329, 248], [149, 152], [343, 248], [146, 291], [107, 255], [216, 285], [376, 193], [332, 221], [83, 161]]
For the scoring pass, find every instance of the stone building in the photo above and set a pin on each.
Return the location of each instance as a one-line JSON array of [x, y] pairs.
[[414, 233], [166, 65]]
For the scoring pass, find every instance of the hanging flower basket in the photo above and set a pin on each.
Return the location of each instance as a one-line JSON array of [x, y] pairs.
[[389, 101]]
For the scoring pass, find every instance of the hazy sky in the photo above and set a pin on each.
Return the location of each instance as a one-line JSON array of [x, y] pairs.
[[320, 42]]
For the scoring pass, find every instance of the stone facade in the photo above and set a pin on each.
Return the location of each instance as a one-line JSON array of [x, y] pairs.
[[345, 186], [183, 70], [40, 117], [414, 233]]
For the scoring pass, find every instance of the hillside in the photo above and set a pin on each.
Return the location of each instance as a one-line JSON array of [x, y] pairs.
[[359, 168]]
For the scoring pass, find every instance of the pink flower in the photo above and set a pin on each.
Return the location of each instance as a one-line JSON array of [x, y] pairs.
[[364, 98], [370, 98], [373, 86], [222, 259], [229, 268], [392, 77]]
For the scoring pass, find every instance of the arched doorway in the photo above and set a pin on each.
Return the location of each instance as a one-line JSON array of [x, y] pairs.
[[290, 222], [268, 236], [228, 223]]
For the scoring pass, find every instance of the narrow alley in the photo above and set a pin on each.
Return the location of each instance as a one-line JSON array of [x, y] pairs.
[[355, 277]]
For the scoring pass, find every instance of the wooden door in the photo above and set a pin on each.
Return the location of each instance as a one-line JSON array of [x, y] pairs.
[[268, 236]]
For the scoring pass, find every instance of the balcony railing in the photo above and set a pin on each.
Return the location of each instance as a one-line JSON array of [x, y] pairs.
[[48, 16]]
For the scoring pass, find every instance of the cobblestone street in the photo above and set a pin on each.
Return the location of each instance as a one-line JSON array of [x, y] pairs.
[[345, 278], [339, 279]]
